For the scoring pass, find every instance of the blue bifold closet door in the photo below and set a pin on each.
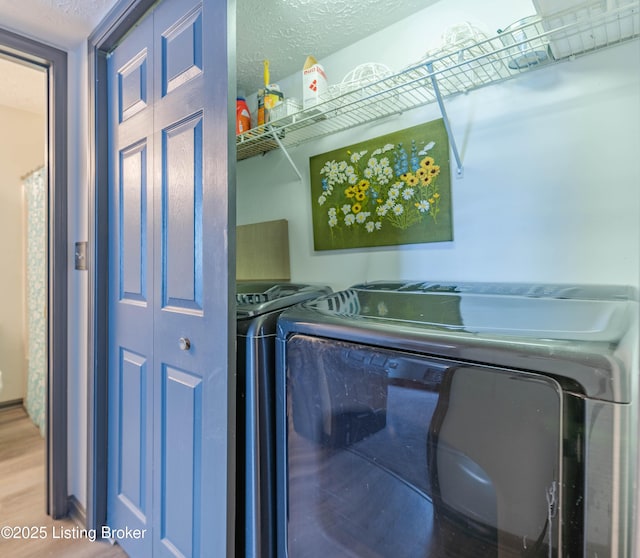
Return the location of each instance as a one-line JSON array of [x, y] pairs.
[[168, 284]]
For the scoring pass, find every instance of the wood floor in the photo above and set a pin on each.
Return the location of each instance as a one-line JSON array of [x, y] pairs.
[[22, 499]]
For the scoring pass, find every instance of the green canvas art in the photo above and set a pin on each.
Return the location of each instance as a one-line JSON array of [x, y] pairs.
[[393, 189]]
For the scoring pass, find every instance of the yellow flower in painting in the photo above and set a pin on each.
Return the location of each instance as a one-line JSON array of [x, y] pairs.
[[426, 162], [436, 195], [349, 192], [360, 196], [434, 170], [379, 200], [404, 176], [431, 200], [412, 180], [363, 185], [421, 173], [426, 180], [356, 208]]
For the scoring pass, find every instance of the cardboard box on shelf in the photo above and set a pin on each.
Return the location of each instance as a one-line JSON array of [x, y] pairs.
[[314, 82]]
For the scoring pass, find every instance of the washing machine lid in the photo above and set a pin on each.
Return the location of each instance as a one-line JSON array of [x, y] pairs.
[[585, 333], [259, 297]]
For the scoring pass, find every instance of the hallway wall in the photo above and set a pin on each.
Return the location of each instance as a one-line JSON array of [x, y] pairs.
[[22, 149]]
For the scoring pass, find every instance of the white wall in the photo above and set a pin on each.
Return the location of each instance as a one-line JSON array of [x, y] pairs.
[[22, 141], [550, 188]]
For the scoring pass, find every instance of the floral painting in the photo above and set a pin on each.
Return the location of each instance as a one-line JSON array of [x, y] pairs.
[[393, 189]]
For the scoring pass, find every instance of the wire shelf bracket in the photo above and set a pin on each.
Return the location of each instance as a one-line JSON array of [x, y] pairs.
[[284, 150], [445, 118]]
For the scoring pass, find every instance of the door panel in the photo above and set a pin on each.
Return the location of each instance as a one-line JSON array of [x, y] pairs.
[[182, 49], [133, 224], [129, 498], [181, 527], [182, 215], [181, 455], [133, 86], [169, 324], [132, 433]]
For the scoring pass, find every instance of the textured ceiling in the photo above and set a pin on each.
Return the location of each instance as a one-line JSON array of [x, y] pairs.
[[283, 31], [63, 23], [286, 31]]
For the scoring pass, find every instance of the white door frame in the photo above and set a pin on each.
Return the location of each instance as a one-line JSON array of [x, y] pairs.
[[55, 61]]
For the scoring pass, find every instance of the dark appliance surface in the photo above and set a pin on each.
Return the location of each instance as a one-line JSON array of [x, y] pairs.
[[454, 420], [258, 305]]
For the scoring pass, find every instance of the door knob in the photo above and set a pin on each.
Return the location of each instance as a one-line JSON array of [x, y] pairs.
[[184, 343]]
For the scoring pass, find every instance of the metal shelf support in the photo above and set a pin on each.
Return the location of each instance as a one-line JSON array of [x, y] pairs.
[[445, 118], [284, 150]]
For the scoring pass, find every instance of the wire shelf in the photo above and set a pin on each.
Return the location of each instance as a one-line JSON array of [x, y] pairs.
[[533, 43]]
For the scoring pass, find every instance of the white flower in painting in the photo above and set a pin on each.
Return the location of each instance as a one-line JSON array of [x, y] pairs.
[[332, 212], [427, 147], [371, 163], [368, 173], [362, 217], [398, 209], [388, 147], [377, 152], [382, 309], [346, 208], [384, 161], [370, 226], [423, 206], [382, 210], [355, 157], [378, 225], [407, 194], [342, 166], [333, 221], [350, 219], [322, 199], [393, 193]]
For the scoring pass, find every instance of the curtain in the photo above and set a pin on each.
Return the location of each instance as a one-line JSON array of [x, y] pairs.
[[36, 292]]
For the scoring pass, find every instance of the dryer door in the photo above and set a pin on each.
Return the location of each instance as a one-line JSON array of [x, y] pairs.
[[393, 454]]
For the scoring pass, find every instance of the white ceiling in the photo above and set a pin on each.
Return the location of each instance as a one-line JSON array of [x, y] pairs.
[[284, 31]]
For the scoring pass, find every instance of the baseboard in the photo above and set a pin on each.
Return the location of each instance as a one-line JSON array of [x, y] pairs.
[[77, 511], [11, 403]]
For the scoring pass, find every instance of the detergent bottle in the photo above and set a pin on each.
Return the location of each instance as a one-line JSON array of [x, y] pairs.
[[243, 116]]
